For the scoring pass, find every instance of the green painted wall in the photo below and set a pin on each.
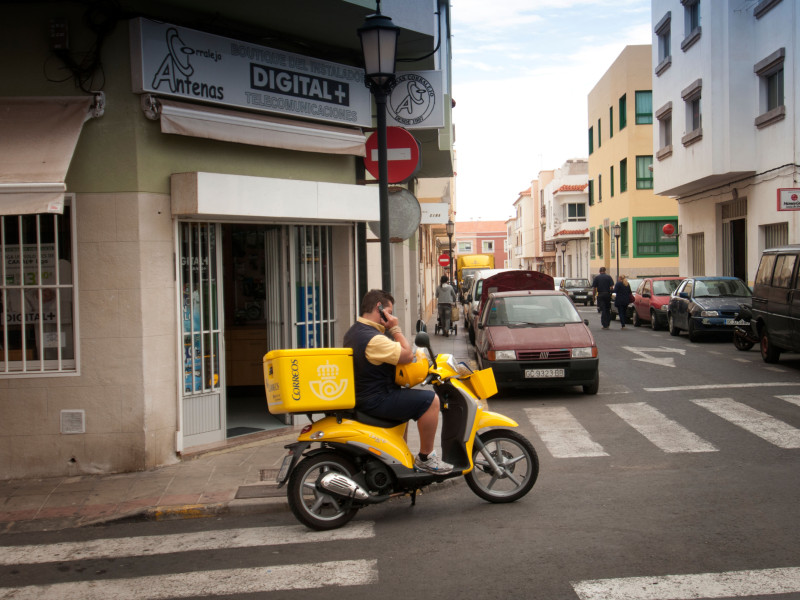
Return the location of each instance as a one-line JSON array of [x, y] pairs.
[[123, 151]]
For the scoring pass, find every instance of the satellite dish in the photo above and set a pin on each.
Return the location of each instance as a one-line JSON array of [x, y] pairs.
[[404, 216]]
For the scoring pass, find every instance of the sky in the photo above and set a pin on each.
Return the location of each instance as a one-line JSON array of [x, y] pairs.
[[522, 72]]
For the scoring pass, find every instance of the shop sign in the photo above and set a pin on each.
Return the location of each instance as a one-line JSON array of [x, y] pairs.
[[788, 198], [30, 260], [434, 213], [173, 61], [416, 100]]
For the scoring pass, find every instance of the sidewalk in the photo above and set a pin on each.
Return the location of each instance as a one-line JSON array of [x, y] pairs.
[[233, 480]]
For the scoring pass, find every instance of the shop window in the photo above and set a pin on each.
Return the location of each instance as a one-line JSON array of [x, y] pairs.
[[37, 293]]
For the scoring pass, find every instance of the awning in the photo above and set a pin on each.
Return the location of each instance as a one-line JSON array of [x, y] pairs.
[[258, 130], [37, 139]]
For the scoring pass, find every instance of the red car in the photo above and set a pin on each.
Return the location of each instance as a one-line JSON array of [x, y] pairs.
[[536, 339], [652, 300]]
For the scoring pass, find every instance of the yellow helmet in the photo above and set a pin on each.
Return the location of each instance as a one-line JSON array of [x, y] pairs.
[[413, 373]]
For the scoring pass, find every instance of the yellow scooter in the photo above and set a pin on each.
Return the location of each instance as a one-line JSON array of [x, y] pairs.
[[364, 460]]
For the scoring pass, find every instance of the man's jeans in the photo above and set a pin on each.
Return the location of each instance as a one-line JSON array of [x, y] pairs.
[[604, 306]]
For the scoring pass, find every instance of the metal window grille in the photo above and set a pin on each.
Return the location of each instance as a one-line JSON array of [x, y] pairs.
[[697, 252], [314, 318], [37, 294], [776, 234]]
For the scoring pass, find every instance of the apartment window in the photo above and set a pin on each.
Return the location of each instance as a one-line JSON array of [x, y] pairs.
[[763, 7], [464, 247], [691, 20], [575, 211], [694, 116], [591, 140], [644, 107], [600, 234], [644, 172], [599, 141], [663, 31], [650, 240], [592, 253], [610, 121], [37, 293], [487, 246], [623, 238], [771, 93], [623, 112], [599, 188], [591, 192], [664, 117], [623, 176], [611, 180], [776, 234]]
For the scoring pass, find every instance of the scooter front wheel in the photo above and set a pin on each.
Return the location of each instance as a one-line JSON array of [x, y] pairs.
[[313, 507], [517, 466]]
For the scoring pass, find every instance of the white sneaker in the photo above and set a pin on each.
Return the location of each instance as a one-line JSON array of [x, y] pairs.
[[433, 464]]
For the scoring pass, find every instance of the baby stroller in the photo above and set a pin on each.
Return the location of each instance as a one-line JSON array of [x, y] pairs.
[[453, 322]]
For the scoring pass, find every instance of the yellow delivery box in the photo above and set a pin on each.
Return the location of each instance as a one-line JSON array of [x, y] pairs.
[[309, 380]]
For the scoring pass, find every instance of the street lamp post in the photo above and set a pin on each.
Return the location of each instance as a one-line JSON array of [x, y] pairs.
[[379, 47], [563, 259], [451, 229], [617, 231]]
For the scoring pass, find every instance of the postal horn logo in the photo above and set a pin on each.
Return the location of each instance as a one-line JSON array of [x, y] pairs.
[[326, 387], [411, 99]]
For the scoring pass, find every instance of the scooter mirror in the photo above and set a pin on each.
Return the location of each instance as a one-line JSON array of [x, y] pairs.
[[421, 326], [423, 340]]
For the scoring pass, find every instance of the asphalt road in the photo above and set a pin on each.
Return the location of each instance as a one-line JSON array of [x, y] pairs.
[[680, 479]]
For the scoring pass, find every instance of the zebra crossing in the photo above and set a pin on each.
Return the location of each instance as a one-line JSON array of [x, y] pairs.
[[214, 582], [565, 436]]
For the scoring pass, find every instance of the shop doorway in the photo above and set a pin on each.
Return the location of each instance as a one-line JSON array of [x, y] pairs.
[[247, 289]]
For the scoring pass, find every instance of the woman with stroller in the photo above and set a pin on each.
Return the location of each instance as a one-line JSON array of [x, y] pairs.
[[446, 297]]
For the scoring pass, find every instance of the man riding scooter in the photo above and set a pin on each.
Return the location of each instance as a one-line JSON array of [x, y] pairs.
[[378, 345]]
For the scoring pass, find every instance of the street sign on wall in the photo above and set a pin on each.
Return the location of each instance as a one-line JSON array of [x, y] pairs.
[[788, 198], [402, 154]]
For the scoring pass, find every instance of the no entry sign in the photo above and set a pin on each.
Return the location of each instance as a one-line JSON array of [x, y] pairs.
[[402, 154], [444, 260]]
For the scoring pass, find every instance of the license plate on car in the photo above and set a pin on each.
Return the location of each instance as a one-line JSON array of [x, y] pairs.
[[735, 322], [284, 470], [543, 373]]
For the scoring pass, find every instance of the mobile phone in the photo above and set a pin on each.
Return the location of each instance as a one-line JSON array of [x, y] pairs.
[[380, 310]]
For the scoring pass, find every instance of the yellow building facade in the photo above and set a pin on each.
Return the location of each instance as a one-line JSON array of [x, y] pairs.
[[620, 136]]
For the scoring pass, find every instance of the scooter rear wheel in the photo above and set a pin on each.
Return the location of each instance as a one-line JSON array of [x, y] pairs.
[[518, 463], [313, 507]]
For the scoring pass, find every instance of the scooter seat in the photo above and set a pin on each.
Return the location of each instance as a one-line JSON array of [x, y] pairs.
[[357, 415]]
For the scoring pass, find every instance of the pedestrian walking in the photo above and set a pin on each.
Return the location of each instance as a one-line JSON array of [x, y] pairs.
[[446, 296], [602, 284], [624, 296]]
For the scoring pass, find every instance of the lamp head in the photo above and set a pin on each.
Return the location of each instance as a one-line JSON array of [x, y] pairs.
[[379, 47]]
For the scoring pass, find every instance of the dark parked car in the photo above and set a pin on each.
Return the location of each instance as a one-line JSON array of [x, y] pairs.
[[634, 283], [578, 290], [706, 304], [776, 302], [534, 339], [652, 301]]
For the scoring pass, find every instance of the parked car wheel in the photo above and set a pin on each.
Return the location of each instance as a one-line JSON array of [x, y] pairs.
[[637, 322], [673, 330], [769, 352], [693, 333], [655, 323]]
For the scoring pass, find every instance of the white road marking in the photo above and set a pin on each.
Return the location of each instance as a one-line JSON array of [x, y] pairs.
[[716, 386], [182, 542], [743, 360], [730, 584], [662, 431], [775, 369], [761, 424], [224, 582], [645, 355], [792, 399], [561, 433]]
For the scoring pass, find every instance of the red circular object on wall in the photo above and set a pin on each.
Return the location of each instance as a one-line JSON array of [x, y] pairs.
[[444, 260], [668, 229]]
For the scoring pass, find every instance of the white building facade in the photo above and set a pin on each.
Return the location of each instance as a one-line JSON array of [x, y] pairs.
[[725, 88], [565, 199]]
